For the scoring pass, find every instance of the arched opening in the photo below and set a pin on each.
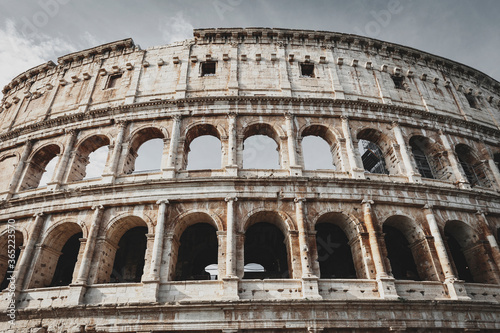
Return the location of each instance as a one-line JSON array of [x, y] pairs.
[[419, 148], [57, 262], [204, 153], [147, 158], [264, 245], [202, 148], [473, 168], [496, 159], [459, 260], [198, 249], [372, 155], [317, 154], [41, 165], [334, 253], [319, 150], [90, 158], [128, 265], [400, 256], [63, 275], [260, 147], [9, 256]]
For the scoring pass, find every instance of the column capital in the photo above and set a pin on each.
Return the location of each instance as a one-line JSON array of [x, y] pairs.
[[39, 214], [395, 123], [122, 123], [344, 117], [232, 114], [162, 201], [428, 206], [177, 117], [288, 115], [97, 207], [229, 198], [299, 199], [481, 212], [71, 131], [367, 202]]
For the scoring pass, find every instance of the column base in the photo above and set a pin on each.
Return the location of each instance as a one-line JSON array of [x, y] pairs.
[[230, 287], [387, 288], [76, 293], [295, 170], [168, 173], [150, 290], [108, 178], [456, 289], [357, 173], [232, 170], [310, 289]]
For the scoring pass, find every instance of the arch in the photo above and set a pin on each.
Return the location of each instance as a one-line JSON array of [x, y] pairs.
[[57, 260], [198, 248], [328, 137], [186, 219], [279, 218], [374, 148], [401, 236], [137, 138], [9, 256], [262, 153], [37, 163], [334, 251], [196, 131], [83, 149], [348, 223], [265, 245], [472, 166], [123, 251]]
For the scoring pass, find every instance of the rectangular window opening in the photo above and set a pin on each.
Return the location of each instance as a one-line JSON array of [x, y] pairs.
[[113, 80], [208, 68], [398, 82], [307, 70]]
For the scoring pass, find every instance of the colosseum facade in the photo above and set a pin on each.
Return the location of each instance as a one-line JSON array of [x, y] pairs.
[[399, 234]]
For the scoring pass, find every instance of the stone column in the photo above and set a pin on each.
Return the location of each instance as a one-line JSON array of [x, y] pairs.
[[295, 169], [172, 152], [456, 168], [232, 164], [154, 272], [410, 171], [233, 85], [112, 169], [310, 289], [16, 177], [386, 285], [496, 173], [495, 251], [63, 163], [453, 285], [231, 280], [28, 253], [83, 272], [286, 88], [355, 170]]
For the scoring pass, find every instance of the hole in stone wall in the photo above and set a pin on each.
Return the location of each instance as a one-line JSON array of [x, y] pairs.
[[204, 153], [398, 82], [459, 259], [198, 249], [264, 245], [316, 153], [334, 252], [149, 156], [472, 100], [113, 81], [403, 265], [418, 148], [48, 173], [307, 70], [372, 157], [129, 259], [208, 68], [63, 275], [260, 152], [97, 161], [471, 165]]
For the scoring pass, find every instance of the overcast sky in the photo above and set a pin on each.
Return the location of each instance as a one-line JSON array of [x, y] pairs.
[[35, 31]]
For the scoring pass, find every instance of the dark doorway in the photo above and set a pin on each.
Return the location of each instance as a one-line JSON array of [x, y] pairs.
[[400, 256], [198, 249], [129, 258], [458, 256], [264, 245], [334, 252], [63, 274]]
